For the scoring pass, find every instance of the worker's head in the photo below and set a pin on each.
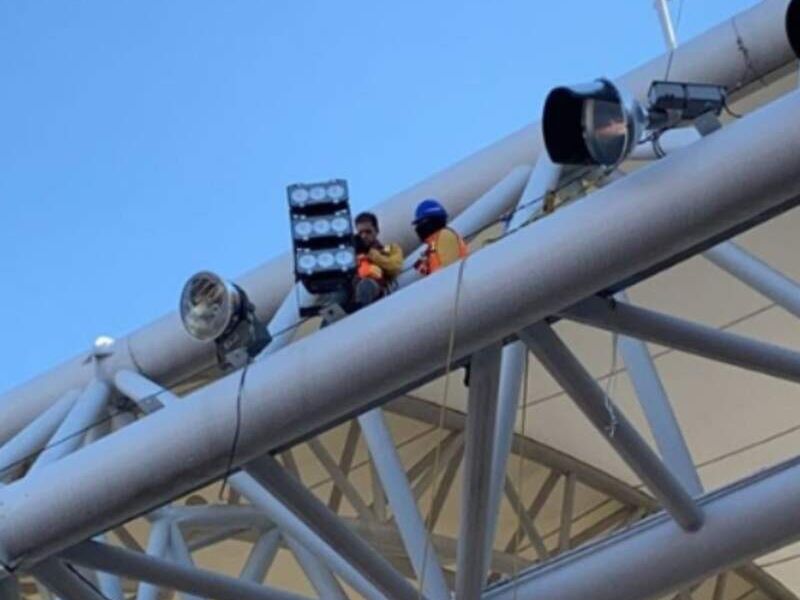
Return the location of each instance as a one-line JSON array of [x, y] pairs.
[[429, 217], [367, 228]]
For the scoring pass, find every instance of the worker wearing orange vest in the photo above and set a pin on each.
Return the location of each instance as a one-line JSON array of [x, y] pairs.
[[378, 264], [443, 246]]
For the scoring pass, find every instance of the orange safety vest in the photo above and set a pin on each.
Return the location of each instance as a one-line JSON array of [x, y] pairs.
[[431, 260], [368, 270]]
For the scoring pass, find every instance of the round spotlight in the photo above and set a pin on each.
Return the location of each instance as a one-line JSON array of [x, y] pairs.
[[208, 304], [336, 191], [591, 124], [307, 262], [299, 195], [317, 193], [344, 258], [322, 226], [325, 260], [340, 225], [303, 229]]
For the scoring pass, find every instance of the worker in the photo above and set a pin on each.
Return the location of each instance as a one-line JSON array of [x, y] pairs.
[[378, 265], [443, 246]]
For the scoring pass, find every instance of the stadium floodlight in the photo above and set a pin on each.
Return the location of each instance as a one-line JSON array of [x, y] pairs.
[[599, 123], [214, 309], [322, 235]]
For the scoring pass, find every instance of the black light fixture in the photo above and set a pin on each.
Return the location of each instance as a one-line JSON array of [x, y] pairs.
[[322, 235], [599, 123], [214, 309]]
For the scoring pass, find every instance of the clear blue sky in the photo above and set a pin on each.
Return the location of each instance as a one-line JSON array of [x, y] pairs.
[[141, 141]]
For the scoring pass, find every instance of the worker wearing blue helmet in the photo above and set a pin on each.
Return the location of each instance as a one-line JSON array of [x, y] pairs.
[[443, 246]]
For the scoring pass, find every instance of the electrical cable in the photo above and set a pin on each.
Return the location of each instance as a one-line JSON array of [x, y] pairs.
[[238, 428], [726, 107]]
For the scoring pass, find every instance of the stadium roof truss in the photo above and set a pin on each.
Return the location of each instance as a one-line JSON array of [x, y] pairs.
[[340, 467]]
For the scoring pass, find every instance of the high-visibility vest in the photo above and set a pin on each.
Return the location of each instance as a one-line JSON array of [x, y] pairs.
[[368, 270], [431, 260]]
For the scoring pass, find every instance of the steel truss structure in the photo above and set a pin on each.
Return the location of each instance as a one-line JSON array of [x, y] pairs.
[[138, 470]]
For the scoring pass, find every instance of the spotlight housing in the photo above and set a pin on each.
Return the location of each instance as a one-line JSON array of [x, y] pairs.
[[599, 123], [212, 308]]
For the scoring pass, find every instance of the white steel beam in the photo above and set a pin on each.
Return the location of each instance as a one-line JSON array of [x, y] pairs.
[[657, 409], [81, 417], [33, 438], [474, 550], [305, 544], [166, 354], [65, 582], [757, 274], [162, 573], [543, 179], [316, 515], [656, 557], [662, 8], [261, 556], [505, 287], [612, 424], [390, 469], [688, 336]]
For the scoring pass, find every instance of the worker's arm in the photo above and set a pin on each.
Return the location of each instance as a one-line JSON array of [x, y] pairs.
[[389, 258], [446, 249]]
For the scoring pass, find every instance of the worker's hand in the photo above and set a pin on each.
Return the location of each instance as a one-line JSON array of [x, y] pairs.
[[421, 266]]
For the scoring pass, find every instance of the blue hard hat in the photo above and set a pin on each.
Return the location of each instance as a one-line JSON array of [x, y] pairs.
[[429, 208]]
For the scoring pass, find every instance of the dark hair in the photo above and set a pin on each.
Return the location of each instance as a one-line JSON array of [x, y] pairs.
[[369, 217]]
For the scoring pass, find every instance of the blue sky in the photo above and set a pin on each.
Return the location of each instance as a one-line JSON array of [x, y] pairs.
[[141, 141]]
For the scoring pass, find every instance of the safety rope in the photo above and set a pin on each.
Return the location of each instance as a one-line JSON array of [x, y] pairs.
[[611, 428], [440, 424]]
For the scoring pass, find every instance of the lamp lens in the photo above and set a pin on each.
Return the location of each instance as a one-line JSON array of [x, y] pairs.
[[307, 262], [336, 191], [303, 229], [344, 258], [322, 226], [207, 305], [299, 195], [340, 225], [325, 260]]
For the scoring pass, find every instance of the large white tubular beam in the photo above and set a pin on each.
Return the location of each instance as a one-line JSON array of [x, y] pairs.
[[476, 490], [657, 557], [164, 352], [687, 336], [757, 274], [681, 201], [610, 422]]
